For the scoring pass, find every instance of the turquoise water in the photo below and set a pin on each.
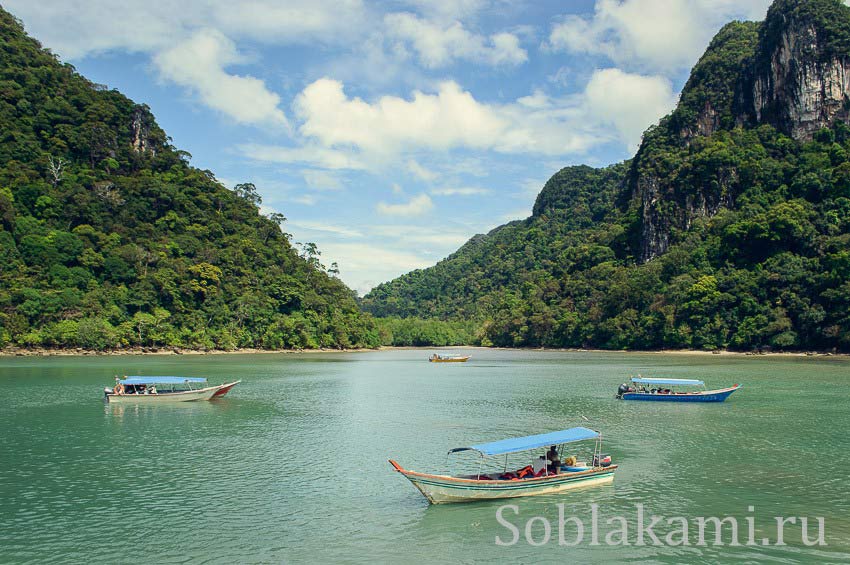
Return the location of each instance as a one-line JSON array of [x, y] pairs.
[[292, 465]]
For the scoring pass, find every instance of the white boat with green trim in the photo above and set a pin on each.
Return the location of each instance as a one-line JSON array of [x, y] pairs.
[[155, 390], [547, 474]]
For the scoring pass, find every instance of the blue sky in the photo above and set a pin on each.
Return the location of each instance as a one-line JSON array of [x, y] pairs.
[[389, 133]]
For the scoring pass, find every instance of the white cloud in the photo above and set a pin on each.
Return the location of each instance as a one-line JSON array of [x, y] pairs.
[[505, 50], [292, 21], [459, 191], [449, 119], [654, 34], [327, 228], [190, 42], [629, 102], [363, 266], [472, 166], [312, 155], [76, 28], [448, 10], [439, 44], [416, 206], [305, 199], [407, 234], [372, 253], [198, 64], [532, 186], [536, 101], [321, 180], [350, 133], [420, 171]]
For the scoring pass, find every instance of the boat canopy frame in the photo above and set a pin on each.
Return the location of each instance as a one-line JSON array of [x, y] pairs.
[[527, 443], [139, 380], [670, 382]]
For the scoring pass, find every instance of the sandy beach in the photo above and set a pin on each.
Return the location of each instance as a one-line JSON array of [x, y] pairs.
[[46, 352]]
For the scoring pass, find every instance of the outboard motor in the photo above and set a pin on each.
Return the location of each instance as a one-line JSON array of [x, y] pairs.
[[623, 388], [602, 460]]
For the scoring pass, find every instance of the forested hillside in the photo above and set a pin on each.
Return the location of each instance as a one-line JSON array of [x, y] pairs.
[[109, 238], [730, 228]]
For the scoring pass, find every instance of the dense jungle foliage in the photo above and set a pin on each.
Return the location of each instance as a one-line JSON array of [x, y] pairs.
[[109, 238], [773, 271], [769, 268]]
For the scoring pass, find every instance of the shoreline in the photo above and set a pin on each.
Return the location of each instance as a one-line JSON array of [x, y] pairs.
[[77, 352]]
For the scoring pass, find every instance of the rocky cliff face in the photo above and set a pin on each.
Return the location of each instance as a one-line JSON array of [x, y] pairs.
[[665, 209], [792, 71], [797, 84], [140, 130]]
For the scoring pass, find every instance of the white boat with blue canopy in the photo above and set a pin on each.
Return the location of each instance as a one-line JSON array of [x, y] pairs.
[[156, 389], [543, 473], [663, 389]]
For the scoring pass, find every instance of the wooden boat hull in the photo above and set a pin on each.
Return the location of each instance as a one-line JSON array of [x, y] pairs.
[[702, 396], [224, 389], [451, 360], [207, 393], [442, 489]]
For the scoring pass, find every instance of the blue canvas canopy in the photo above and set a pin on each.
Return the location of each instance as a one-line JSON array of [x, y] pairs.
[[643, 381], [161, 380], [531, 442]]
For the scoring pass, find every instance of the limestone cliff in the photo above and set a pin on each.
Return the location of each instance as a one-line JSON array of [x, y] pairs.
[[140, 130], [799, 78], [791, 72]]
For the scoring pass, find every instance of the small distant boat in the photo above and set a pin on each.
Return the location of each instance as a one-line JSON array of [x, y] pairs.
[[164, 389], [439, 358], [658, 390], [527, 481]]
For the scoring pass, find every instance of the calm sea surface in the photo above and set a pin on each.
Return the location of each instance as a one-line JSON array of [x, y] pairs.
[[292, 465]]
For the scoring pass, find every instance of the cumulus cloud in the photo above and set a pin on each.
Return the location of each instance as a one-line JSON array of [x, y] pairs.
[[198, 63], [628, 102], [327, 228], [448, 10], [452, 118], [190, 42], [76, 28], [438, 44], [657, 34], [386, 251], [423, 173], [459, 191], [439, 121], [407, 234], [416, 206], [365, 265], [292, 21], [321, 180], [305, 199], [447, 119], [308, 154]]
